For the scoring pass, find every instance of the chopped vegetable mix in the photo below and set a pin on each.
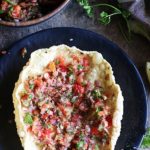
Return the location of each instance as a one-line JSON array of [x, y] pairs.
[[65, 110], [23, 10]]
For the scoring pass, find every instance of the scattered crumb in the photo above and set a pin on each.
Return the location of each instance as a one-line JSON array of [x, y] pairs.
[[71, 40], [23, 52]]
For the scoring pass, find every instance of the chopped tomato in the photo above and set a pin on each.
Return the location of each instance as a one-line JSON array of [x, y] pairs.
[[75, 117], [86, 61], [75, 58], [60, 60], [68, 103], [29, 129], [38, 82], [16, 12], [61, 107], [80, 79], [47, 131], [63, 68], [94, 131], [24, 97], [4, 5], [66, 124], [35, 112], [44, 116], [109, 120], [79, 89]]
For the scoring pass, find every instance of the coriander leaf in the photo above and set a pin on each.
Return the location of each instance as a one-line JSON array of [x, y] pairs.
[[28, 119], [31, 86], [10, 2], [85, 4], [96, 93], [80, 67], [96, 147], [1, 11], [80, 144], [146, 139], [57, 62], [104, 18]]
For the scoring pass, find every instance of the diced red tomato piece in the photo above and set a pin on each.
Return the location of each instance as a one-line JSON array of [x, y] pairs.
[[24, 97], [75, 117], [63, 68], [29, 129], [79, 89], [61, 61], [4, 5], [94, 131], [16, 12], [79, 79], [44, 116], [109, 120], [68, 103], [61, 107], [35, 112], [75, 58], [47, 131], [37, 82], [85, 61]]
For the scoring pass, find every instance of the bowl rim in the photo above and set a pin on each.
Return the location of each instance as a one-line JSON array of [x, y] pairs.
[[37, 20]]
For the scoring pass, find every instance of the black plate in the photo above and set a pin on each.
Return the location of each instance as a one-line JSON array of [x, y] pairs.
[[127, 76]]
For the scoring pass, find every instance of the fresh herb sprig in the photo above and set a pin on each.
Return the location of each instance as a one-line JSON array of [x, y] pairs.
[[86, 6], [105, 18], [146, 140]]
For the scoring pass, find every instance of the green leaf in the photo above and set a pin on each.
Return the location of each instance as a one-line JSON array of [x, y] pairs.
[[57, 62], [1, 11], [86, 6], [146, 139], [80, 67], [96, 93], [10, 2], [31, 86], [28, 119], [80, 144], [104, 18], [96, 147]]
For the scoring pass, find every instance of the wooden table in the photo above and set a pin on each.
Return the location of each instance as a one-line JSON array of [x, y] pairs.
[[73, 16]]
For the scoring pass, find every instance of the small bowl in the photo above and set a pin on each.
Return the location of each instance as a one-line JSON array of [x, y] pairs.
[[37, 20]]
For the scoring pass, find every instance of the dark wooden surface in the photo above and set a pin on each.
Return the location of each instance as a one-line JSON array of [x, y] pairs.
[[73, 16]]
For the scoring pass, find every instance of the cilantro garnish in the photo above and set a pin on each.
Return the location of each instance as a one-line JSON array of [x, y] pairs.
[[28, 119], [57, 62], [106, 17], [80, 144], [80, 67], [31, 86], [146, 139], [96, 93]]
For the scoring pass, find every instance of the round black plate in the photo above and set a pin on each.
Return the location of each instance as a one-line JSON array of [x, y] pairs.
[[127, 76]]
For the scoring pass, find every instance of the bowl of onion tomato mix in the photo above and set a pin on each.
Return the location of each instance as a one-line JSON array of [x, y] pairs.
[[28, 12]]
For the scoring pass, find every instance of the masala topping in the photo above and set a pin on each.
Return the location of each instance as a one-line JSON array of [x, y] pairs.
[[64, 110]]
